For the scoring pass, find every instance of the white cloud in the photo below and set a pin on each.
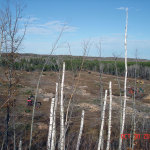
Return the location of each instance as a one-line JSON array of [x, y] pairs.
[[30, 19], [48, 28], [121, 8]]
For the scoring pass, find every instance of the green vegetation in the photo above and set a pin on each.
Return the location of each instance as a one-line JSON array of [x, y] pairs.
[[73, 64], [27, 110], [28, 92]]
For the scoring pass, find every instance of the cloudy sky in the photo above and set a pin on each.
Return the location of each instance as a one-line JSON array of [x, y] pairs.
[[87, 20]]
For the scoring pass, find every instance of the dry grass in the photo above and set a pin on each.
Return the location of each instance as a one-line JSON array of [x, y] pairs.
[[86, 97]]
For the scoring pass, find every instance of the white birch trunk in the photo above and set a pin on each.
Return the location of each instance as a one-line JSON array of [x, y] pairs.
[[102, 124], [50, 125], [54, 120], [81, 129], [62, 128], [109, 121], [20, 145], [102, 145], [125, 83], [38, 83]]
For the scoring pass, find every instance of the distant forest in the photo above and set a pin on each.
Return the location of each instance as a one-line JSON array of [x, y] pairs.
[[74, 64]]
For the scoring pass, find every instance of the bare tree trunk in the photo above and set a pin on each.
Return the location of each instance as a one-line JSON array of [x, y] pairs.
[[81, 129], [54, 120], [120, 96], [102, 145], [125, 84], [109, 123], [100, 74], [50, 124], [86, 46], [3, 23], [38, 83], [3, 142], [7, 126], [102, 124], [14, 127], [10, 42], [101, 84], [1, 42], [8, 104], [20, 145], [62, 127], [134, 113]]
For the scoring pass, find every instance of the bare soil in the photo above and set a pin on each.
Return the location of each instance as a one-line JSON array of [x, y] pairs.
[[86, 97]]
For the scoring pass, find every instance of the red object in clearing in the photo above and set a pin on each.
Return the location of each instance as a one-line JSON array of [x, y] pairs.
[[131, 91]]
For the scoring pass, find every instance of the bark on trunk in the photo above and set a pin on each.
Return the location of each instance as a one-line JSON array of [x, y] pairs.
[[53, 142], [20, 145], [50, 125], [62, 128], [81, 129], [109, 122], [102, 124], [125, 84]]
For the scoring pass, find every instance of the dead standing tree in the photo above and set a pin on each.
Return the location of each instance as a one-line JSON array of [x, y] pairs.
[[134, 106], [100, 73], [62, 125], [54, 47], [50, 124], [125, 83], [120, 90], [110, 116], [11, 39], [102, 123], [86, 48], [81, 130]]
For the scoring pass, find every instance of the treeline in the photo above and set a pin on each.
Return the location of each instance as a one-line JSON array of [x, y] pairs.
[[107, 67]]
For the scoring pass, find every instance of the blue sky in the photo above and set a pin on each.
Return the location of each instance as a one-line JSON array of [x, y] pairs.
[[87, 20]]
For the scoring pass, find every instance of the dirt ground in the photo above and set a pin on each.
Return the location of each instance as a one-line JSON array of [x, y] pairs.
[[86, 97]]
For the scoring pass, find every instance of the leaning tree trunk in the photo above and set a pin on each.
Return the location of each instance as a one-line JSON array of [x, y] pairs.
[[125, 84], [81, 129], [102, 124], [38, 84]]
